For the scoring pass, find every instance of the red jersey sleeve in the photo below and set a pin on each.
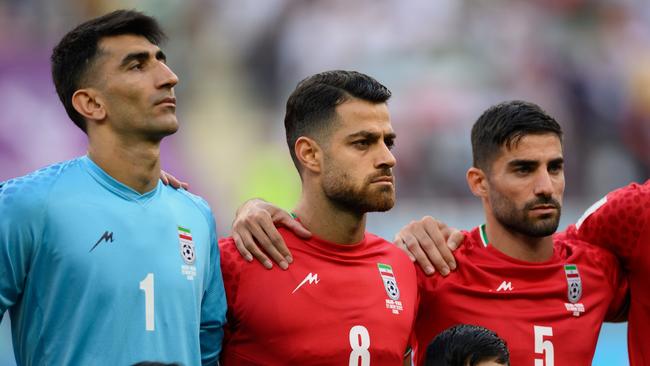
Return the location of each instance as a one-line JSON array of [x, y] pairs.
[[619, 222], [231, 268]]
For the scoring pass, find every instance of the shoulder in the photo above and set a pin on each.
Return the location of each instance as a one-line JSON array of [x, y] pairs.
[[388, 250], [192, 200], [628, 203], [579, 251], [27, 196], [231, 260]]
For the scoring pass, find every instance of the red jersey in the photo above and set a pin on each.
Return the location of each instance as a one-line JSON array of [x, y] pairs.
[[548, 313], [620, 222], [335, 305]]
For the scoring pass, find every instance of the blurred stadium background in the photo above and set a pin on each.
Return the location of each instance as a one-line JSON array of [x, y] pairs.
[[585, 62]]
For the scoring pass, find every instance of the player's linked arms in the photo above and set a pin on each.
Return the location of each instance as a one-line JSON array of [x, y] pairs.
[[427, 241], [430, 243]]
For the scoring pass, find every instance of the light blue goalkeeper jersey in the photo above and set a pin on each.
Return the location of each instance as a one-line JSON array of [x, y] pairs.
[[94, 273]]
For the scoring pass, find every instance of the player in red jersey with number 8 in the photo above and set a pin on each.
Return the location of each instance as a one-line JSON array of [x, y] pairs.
[[350, 297]]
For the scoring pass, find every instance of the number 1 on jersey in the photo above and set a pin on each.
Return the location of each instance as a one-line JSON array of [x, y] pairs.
[[146, 285]]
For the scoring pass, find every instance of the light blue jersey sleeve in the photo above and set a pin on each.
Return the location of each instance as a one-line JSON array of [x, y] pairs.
[[22, 202], [213, 306]]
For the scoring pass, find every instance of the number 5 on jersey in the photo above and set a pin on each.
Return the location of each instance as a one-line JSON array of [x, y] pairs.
[[544, 346], [146, 285]]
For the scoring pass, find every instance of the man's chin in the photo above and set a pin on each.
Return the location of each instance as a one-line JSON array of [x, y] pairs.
[[382, 205]]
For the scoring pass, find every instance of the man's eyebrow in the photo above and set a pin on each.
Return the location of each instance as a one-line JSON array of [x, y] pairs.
[[371, 134], [523, 162], [142, 56], [135, 56], [160, 55]]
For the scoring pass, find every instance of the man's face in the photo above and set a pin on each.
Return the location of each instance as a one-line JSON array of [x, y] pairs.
[[357, 171], [136, 86], [526, 184]]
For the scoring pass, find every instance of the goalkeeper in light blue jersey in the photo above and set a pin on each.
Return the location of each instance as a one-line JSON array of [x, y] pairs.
[[101, 264]]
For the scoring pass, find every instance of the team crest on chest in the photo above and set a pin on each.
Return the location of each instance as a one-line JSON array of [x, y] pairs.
[[574, 283], [187, 252], [574, 289], [187, 245], [390, 285]]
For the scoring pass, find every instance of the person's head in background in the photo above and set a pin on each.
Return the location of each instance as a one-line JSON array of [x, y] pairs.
[[467, 345]]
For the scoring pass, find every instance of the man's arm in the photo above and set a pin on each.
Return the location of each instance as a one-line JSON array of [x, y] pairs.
[[427, 241], [213, 307], [19, 229], [430, 243], [255, 226]]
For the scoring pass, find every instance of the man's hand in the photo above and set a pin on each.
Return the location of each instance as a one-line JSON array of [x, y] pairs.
[[169, 179], [430, 243], [254, 227]]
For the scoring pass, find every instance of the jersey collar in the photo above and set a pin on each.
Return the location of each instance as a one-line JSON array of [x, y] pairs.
[[115, 186]]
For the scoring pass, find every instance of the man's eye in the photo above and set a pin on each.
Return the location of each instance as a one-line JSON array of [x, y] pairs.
[[137, 66]]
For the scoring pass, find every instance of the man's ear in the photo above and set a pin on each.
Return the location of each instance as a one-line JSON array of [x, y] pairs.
[[309, 153], [89, 104], [477, 182]]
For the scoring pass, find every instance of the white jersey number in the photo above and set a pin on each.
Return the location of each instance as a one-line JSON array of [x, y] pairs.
[[146, 285], [544, 346], [360, 342]]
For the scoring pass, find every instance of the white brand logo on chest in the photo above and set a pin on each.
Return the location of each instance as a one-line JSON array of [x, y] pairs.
[[311, 278], [505, 286]]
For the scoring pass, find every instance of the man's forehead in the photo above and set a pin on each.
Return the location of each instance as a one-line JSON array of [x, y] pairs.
[[533, 147], [356, 115], [126, 43]]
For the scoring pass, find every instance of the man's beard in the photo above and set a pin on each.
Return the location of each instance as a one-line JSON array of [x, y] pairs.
[[518, 220], [340, 190]]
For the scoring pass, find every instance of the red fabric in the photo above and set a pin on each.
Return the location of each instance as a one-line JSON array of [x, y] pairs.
[[268, 325], [621, 224], [533, 294]]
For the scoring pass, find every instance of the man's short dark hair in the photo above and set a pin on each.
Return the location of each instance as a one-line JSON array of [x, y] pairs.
[[505, 124], [464, 344], [311, 108], [73, 58]]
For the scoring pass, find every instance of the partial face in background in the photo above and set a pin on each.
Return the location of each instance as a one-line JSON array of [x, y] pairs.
[[136, 86], [358, 161], [526, 185]]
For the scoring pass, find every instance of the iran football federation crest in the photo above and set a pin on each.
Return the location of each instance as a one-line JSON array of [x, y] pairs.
[[186, 245], [390, 284], [574, 284]]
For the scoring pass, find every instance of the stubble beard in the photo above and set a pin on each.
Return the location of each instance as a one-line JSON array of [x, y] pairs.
[[340, 190], [519, 220]]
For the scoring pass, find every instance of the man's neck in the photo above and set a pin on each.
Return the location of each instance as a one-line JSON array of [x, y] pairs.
[[517, 245], [329, 222], [135, 165]]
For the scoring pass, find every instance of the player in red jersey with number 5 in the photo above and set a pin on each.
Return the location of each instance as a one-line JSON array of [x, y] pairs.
[[546, 297], [350, 297]]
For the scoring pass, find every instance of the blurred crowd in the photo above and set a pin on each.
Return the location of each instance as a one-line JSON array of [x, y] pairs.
[[586, 62]]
